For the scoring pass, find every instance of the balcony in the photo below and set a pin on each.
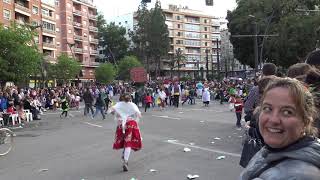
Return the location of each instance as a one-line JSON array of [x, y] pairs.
[[77, 25], [92, 17], [48, 17], [50, 31], [93, 29], [93, 52], [78, 50], [77, 38], [94, 41], [85, 2], [49, 45], [77, 12], [22, 9]]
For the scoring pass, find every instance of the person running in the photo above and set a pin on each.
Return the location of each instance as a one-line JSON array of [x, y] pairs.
[[148, 102], [64, 107], [99, 106], [127, 136]]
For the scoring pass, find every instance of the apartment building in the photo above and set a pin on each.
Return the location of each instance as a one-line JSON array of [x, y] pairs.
[[198, 37], [63, 26]]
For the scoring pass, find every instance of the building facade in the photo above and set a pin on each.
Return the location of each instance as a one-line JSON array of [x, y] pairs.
[[230, 66], [197, 36], [63, 26]]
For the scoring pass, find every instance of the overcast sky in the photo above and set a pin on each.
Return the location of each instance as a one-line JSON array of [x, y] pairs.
[[112, 8]]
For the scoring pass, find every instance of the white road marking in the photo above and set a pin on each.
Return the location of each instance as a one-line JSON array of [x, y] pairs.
[[221, 111], [166, 117], [95, 125], [204, 149], [57, 112]]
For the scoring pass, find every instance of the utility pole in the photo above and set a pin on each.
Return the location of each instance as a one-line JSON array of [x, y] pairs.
[[218, 59], [207, 63]]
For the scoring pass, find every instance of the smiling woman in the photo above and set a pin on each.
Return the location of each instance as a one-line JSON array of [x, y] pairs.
[[286, 125]]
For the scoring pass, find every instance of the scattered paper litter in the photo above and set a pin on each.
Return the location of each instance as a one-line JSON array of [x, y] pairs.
[[192, 144], [180, 112], [202, 121], [212, 142], [240, 136], [43, 170], [153, 170], [133, 179], [172, 140], [220, 157], [186, 149], [192, 176], [229, 136], [217, 138]]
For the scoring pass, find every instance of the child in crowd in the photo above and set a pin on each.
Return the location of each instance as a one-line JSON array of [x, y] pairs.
[[148, 102], [238, 106], [64, 107]]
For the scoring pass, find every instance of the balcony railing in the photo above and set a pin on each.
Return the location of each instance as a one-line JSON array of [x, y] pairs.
[[49, 45], [76, 24], [94, 41], [92, 17], [78, 50], [77, 37], [48, 31], [92, 28], [22, 8], [93, 52], [77, 12], [48, 17]]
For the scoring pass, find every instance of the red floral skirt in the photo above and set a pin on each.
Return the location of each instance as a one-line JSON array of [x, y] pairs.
[[131, 138]]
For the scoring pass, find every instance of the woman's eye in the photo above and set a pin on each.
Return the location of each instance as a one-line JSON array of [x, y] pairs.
[[287, 112], [266, 109]]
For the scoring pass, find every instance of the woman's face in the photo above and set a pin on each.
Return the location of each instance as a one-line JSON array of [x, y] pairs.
[[280, 122]]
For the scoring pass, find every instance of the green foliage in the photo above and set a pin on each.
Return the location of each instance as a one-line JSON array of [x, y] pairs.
[[297, 30], [151, 36], [105, 73], [125, 66], [66, 68], [114, 40], [18, 60]]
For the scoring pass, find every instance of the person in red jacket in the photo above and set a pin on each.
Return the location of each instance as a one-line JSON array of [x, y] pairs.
[[238, 106], [148, 102]]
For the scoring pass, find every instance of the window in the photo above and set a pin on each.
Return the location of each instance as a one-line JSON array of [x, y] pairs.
[[205, 29], [57, 2], [206, 44], [57, 29], [69, 31], [179, 26], [7, 1], [69, 19], [205, 21], [6, 14], [84, 34], [84, 10], [179, 41], [192, 43], [179, 34], [57, 16], [48, 26], [192, 35], [192, 27], [206, 36], [35, 10], [58, 43], [178, 17], [84, 23]]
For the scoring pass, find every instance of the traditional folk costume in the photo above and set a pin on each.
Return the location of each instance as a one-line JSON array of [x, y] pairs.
[[206, 97], [127, 134]]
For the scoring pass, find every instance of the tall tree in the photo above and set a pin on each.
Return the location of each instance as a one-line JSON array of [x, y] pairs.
[[140, 33], [159, 41], [66, 68], [113, 41], [126, 64], [297, 31], [105, 73], [18, 60]]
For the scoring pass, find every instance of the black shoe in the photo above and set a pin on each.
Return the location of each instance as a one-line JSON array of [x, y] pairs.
[[125, 166]]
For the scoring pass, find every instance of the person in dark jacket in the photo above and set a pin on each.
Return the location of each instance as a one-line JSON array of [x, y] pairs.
[[88, 100], [286, 124], [99, 106]]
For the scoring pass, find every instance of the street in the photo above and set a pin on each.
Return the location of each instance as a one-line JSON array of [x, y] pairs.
[[79, 148]]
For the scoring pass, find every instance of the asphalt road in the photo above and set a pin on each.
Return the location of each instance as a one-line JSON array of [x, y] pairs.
[[79, 148]]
